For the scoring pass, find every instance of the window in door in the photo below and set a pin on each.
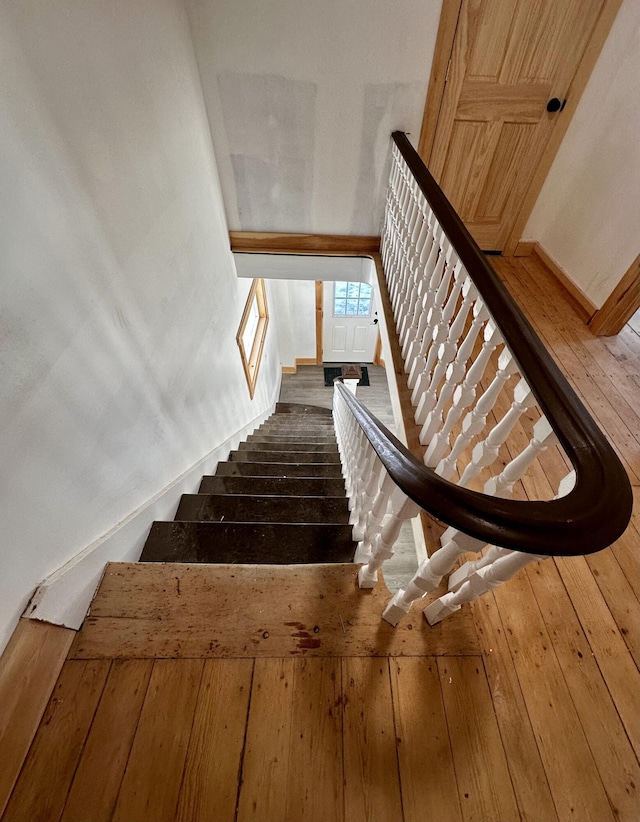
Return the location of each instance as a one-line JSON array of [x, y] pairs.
[[351, 299]]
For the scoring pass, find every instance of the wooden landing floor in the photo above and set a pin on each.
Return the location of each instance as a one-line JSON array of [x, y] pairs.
[[528, 709]]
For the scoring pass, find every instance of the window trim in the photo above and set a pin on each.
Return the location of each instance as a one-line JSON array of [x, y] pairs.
[[251, 361]]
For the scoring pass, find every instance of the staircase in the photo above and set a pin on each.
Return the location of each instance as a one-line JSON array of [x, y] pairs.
[[279, 499]]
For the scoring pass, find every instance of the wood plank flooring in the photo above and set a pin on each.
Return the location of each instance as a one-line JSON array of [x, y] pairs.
[[189, 697]]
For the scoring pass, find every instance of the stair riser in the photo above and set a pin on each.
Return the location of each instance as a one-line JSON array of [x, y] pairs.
[[248, 543], [277, 469], [277, 486], [251, 508], [298, 430], [309, 411], [293, 457], [299, 419], [307, 448], [309, 438]]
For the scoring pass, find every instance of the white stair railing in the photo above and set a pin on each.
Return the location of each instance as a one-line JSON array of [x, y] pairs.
[[489, 402]]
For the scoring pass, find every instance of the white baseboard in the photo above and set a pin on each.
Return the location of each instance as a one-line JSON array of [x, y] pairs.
[[64, 596]]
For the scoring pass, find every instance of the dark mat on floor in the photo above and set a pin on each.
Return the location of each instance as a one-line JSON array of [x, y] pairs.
[[330, 373]]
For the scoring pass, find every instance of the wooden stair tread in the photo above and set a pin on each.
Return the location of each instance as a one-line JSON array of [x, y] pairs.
[[258, 508], [288, 445], [292, 486], [278, 469], [300, 408], [296, 457], [165, 610], [321, 439]]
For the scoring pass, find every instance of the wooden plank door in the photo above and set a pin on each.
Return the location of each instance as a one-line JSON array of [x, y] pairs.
[[494, 132]]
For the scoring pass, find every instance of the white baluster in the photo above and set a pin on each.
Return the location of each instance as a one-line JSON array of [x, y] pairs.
[[480, 582], [366, 499], [463, 396], [445, 354], [438, 258], [454, 374], [475, 420], [432, 314], [502, 485], [361, 459], [416, 321], [460, 576], [429, 576], [486, 452], [566, 485], [374, 520], [437, 327], [402, 508]]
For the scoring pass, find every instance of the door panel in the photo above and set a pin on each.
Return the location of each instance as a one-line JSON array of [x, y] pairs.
[[509, 58], [339, 339], [360, 339]]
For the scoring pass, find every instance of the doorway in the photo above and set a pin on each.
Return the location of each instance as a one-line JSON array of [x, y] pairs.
[[505, 82], [350, 326]]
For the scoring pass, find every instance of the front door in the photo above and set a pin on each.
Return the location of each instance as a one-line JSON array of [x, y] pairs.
[[349, 332], [511, 68]]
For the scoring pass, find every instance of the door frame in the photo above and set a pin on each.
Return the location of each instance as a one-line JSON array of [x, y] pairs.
[[620, 305], [319, 318], [377, 353], [435, 92]]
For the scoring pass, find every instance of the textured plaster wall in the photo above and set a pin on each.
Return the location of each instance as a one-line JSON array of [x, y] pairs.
[[294, 311], [302, 97], [587, 216], [120, 302]]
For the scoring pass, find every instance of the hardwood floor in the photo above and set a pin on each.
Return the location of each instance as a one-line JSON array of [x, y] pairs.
[[194, 697]]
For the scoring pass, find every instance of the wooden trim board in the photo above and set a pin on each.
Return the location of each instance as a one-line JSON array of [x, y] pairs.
[[29, 668], [620, 306], [259, 242], [441, 56], [524, 248], [582, 303], [292, 369], [377, 355], [319, 317]]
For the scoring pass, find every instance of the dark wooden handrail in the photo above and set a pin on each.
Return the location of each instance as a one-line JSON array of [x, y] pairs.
[[595, 512]]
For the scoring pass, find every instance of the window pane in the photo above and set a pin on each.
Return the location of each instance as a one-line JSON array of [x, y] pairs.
[[339, 308], [249, 333], [341, 290], [365, 290], [352, 308], [354, 289], [364, 308]]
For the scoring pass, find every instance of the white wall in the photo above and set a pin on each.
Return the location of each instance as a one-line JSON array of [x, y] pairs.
[[587, 216], [293, 306], [119, 305], [291, 280], [302, 96]]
